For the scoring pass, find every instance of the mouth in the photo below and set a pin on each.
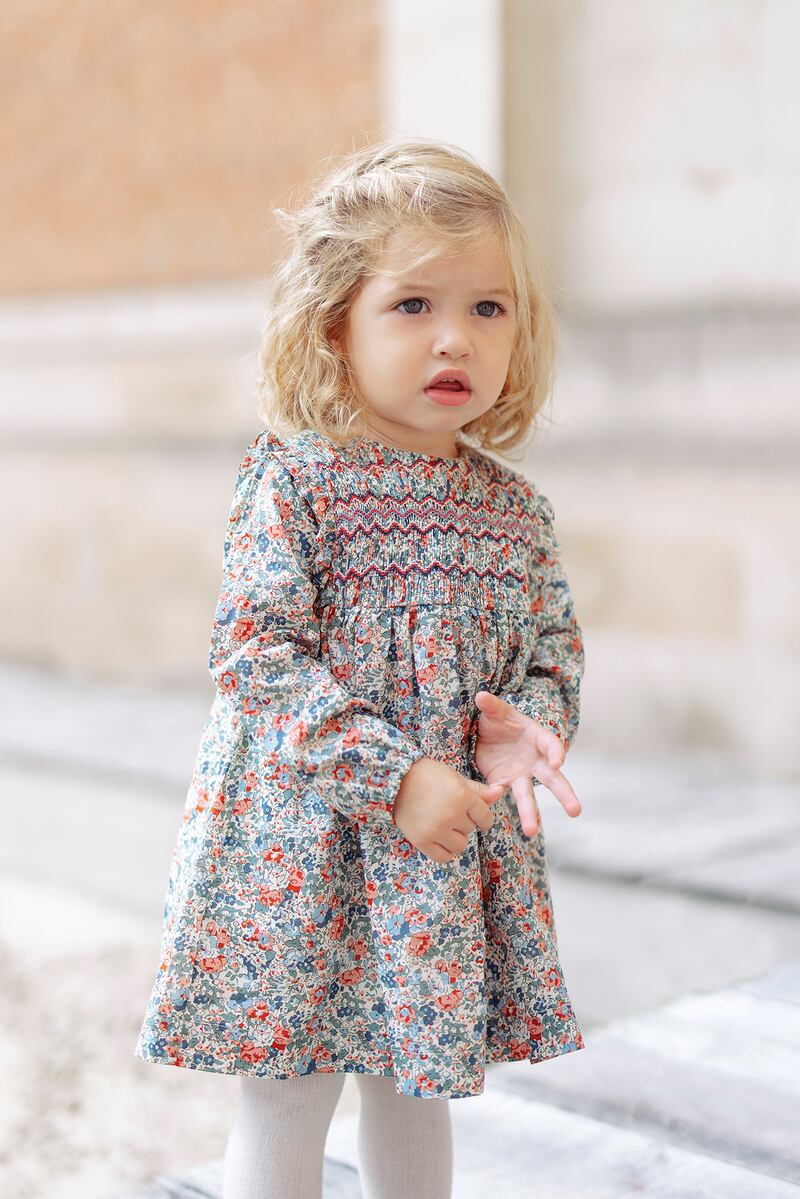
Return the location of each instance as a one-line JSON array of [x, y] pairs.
[[448, 395], [450, 387]]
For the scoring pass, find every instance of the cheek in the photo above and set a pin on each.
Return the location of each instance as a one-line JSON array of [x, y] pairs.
[[504, 349], [388, 346], [497, 349]]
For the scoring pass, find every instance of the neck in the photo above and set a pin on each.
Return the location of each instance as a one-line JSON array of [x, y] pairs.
[[445, 446]]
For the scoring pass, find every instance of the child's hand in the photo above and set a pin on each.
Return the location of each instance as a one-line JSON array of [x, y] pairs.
[[511, 748], [436, 808]]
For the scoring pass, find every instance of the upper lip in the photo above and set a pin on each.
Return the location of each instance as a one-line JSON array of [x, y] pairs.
[[459, 376]]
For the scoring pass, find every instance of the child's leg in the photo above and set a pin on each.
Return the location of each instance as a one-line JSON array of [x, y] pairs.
[[405, 1144], [277, 1143]]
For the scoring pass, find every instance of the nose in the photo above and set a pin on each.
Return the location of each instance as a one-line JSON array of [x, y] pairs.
[[452, 338]]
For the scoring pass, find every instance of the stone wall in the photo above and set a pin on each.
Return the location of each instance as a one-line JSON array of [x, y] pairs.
[[656, 149]]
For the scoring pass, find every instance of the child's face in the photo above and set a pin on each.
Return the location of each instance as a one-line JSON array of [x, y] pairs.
[[401, 332]]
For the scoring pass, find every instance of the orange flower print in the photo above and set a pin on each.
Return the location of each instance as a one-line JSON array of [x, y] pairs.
[[452, 969], [350, 977], [252, 1053], [261, 1011], [448, 1002], [535, 1027], [243, 629], [427, 674], [298, 733], [343, 774], [202, 801], [494, 868], [282, 1037], [296, 876], [212, 965], [419, 944], [219, 932]]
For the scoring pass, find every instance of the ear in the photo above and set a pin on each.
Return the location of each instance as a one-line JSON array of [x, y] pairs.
[[337, 339]]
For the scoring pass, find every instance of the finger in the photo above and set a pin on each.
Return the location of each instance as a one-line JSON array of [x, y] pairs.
[[556, 753], [452, 839], [436, 853], [481, 816], [498, 709], [547, 744], [466, 830], [490, 792], [523, 792], [559, 785]]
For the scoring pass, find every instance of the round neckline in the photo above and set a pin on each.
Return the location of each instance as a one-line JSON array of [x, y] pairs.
[[378, 452]]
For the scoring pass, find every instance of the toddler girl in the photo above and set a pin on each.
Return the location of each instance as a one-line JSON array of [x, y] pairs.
[[360, 883]]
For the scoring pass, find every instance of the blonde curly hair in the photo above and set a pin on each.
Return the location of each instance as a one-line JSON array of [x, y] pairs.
[[337, 236]]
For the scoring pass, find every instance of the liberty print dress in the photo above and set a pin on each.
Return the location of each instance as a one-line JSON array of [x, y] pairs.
[[368, 593]]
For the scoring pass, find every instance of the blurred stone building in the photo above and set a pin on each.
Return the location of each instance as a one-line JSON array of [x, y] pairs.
[[655, 152]]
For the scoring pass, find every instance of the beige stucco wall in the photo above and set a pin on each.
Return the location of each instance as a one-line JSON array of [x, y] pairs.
[[144, 144]]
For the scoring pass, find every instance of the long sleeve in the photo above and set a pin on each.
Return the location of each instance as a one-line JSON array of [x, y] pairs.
[[265, 651], [550, 692]]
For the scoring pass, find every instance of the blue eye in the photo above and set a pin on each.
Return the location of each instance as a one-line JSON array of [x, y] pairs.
[[419, 300], [494, 304], [416, 300]]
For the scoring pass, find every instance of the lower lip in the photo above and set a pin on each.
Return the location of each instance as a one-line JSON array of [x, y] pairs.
[[449, 398]]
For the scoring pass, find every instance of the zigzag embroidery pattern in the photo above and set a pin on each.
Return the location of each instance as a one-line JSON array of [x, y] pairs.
[[385, 517], [404, 571]]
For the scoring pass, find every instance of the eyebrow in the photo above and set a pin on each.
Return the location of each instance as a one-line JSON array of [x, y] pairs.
[[402, 285]]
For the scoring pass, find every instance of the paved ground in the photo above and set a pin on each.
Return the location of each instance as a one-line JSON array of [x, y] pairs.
[[678, 882]]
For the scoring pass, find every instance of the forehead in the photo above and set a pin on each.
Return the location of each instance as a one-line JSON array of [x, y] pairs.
[[481, 259]]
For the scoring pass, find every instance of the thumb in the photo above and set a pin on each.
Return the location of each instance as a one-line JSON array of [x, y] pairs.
[[491, 792]]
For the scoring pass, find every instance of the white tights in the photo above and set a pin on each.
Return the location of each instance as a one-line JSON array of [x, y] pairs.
[[277, 1143]]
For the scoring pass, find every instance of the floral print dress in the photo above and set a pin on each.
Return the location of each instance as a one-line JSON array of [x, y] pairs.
[[368, 593]]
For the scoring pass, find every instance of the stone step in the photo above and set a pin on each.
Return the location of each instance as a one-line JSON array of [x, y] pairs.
[[339, 1181], [505, 1144], [692, 1074], [699, 1098], [690, 826]]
